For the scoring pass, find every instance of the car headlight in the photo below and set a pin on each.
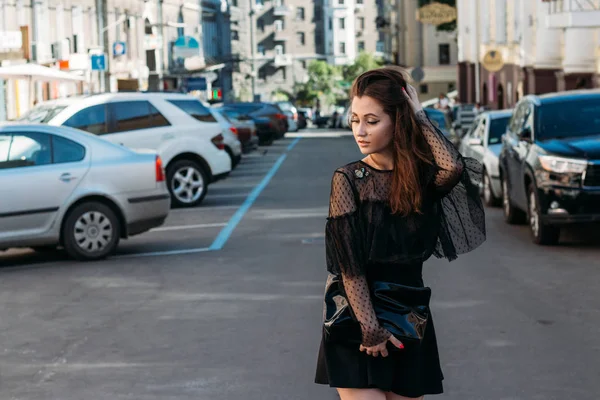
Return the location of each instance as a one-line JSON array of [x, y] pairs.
[[562, 165]]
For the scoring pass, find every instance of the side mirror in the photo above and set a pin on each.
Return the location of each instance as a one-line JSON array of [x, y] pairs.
[[526, 134], [475, 142]]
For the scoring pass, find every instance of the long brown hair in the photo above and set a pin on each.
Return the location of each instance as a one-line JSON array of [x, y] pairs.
[[411, 151]]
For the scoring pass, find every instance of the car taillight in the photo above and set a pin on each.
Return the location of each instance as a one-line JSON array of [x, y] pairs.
[[234, 130], [160, 172], [280, 116], [295, 116], [218, 141]]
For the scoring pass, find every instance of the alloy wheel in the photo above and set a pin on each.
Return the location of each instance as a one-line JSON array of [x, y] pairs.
[[187, 184]]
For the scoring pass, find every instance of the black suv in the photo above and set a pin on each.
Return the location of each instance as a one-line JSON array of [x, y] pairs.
[[550, 163]]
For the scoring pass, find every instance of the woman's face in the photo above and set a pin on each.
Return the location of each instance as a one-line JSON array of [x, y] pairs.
[[372, 127]]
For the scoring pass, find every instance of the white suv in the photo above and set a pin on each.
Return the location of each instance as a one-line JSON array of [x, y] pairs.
[[179, 127]]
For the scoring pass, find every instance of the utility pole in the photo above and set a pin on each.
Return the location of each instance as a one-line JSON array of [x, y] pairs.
[[252, 16]]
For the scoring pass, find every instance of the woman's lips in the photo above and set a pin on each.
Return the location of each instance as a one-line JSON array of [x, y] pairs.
[[363, 143]]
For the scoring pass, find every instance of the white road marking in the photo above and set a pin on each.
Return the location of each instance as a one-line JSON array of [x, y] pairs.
[[184, 227]]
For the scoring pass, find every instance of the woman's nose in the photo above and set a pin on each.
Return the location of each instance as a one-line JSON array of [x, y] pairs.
[[361, 130]]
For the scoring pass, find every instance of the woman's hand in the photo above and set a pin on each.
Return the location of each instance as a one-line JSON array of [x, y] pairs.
[[381, 348], [412, 97]]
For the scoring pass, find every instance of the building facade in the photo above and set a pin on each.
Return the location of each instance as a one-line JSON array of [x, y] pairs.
[[526, 47], [423, 45]]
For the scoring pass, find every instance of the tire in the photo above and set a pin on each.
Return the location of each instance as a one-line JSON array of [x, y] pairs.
[[512, 215], [91, 232], [235, 160], [542, 234], [487, 193], [187, 182]]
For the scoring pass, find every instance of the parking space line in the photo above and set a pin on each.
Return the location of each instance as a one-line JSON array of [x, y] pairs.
[[294, 142], [226, 232], [183, 227], [164, 253]]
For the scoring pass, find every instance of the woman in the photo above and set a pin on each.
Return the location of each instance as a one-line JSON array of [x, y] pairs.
[[412, 196]]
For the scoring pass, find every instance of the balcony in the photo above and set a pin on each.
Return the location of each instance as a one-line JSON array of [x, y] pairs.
[[282, 11], [572, 14], [280, 36], [282, 60]]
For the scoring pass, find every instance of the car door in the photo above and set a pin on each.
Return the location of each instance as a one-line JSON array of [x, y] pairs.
[[137, 124], [522, 149], [465, 144], [33, 188], [512, 163]]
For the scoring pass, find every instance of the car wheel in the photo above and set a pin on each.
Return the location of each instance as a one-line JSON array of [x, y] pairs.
[[187, 183], [487, 192], [540, 233], [512, 215], [235, 160], [91, 232]]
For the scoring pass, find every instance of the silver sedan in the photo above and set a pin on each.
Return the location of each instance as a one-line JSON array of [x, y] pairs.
[[64, 187]]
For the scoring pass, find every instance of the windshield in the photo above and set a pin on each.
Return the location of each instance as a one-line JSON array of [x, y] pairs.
[[570, 118], [438, 118], [497, 129], [42, 114]]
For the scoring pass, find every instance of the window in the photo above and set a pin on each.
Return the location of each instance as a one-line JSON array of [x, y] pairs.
[[359, 1], [91, 119], [451, 86], [300, 14], [42, 114], [444, 54], [303, 64], [301, 38], [342, 23], [279, 50], [423, 89], [341, 2], [234, 3], [380, 46], [361, 22], [497, 129], [194, 109], [66, 151], [361, 46], [330, 24], [134, 115], [261, 49], [278, 25], [261, 25], [278, 3], [235, 35], [25, 149], [260, 3], [342, 48]]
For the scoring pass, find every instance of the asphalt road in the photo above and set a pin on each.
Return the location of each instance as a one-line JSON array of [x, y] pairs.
[[173, 317]]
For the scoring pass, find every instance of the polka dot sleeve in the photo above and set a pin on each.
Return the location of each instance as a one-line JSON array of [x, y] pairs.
[[456, 183], [345, 257]]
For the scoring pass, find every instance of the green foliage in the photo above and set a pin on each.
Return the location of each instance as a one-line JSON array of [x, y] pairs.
[[322, 84], [363, 63]]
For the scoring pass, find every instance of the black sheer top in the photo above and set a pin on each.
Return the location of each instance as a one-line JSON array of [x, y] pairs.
[[361, 229]]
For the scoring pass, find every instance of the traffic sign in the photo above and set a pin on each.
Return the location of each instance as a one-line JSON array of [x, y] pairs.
[[417, 74], [98, 62], [119, 49]]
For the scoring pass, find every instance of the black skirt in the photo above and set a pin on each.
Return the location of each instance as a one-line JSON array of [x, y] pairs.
[[411, 372]]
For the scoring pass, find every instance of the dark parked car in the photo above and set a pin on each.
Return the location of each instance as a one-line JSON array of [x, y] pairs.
[[271, 122], [550, 163], [443, 122]]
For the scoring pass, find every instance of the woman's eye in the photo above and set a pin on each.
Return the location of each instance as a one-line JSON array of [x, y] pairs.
[[354, 121], [372, 122]]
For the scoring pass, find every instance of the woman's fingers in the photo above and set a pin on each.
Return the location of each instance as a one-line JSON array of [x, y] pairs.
[[396, 342], [384, 352]]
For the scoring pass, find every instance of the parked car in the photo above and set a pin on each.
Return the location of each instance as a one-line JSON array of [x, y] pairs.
[[270, 121], [550, 163], [302, 119], [245, 127], [179, 127], [441, 120], [483, 142], [233, 146], [291, 113], [65, 187]]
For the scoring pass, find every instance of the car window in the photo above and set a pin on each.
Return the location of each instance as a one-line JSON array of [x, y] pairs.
[[5, 139], [26, 149], [135, 115], [42, 114], [194, 109], [568, 118], [497, 129], [65, 150], [91, 119]]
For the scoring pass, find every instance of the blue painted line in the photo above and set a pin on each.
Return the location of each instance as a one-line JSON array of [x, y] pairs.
[[226, 232], [295, 142]]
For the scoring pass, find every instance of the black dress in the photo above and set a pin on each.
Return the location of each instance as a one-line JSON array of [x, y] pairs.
[[365, 241]]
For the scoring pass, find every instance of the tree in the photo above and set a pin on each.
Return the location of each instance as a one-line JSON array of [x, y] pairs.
[[363, 63], [323, 83]]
